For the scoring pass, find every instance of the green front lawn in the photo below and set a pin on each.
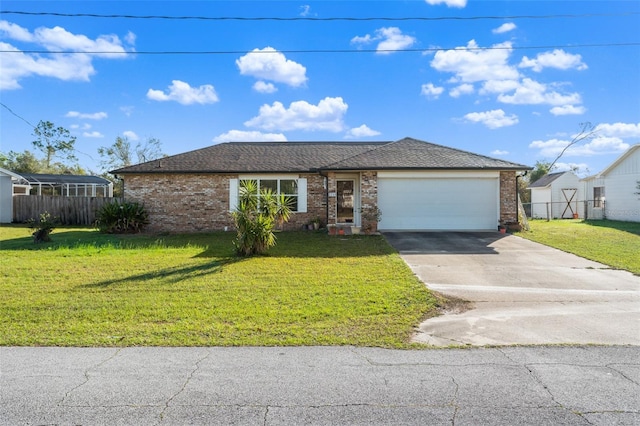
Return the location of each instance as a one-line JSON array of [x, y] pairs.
[[616, 244], [90, 289]]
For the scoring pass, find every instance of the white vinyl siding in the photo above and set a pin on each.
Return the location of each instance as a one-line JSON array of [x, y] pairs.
[[439, 202], [621, 180]]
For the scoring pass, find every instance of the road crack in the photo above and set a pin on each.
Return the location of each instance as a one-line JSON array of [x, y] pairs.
[[184, 386], [86, 375]]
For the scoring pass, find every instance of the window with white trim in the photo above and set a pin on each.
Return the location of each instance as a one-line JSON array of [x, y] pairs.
[[286, 187]]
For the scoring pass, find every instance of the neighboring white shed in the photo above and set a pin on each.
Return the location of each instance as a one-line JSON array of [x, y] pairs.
[[557, 196], [621, 180], [7, 181]]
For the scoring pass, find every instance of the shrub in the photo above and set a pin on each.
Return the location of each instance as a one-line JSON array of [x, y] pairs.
[[121, 218], [43, 227], [255, 217]]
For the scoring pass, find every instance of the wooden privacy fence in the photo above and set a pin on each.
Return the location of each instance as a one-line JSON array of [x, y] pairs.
[[68, 210]]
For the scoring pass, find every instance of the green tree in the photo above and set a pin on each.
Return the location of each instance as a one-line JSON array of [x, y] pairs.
[[21, 162], [27, 162], [256, 216], [54, 142], [541, 168]]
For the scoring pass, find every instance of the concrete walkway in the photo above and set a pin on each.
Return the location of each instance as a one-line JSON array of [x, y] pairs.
[[320, 385], [522, 292]]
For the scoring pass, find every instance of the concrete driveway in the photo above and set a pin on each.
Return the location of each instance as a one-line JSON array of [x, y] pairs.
[[521, 292]]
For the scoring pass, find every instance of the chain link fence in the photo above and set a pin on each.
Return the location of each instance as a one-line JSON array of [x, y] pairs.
[[587, 209]]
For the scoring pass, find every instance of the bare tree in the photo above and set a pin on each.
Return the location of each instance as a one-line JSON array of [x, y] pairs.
[[587, 132], [121, 153]]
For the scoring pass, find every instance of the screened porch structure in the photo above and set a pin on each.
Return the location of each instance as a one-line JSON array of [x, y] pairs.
[[68, 185]]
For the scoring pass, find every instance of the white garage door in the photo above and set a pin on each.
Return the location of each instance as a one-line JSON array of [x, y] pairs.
[[438, 203]]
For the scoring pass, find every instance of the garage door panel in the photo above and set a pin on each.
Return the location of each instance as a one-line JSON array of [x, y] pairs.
[[438, 204]]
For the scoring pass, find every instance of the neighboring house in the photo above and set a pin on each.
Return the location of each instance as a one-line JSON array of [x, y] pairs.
[[594, 193], [621, 179], [416, 185], [9, 181], [67, 185], [557, 196]]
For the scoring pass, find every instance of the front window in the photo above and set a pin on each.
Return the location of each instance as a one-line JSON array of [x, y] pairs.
[[598, 196], [286, 187]]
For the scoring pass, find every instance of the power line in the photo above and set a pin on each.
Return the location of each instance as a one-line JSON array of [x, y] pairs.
[[317, 19], [239, 52], [20, 117]]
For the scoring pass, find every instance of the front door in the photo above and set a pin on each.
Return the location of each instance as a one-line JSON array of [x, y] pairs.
[[346, 201]]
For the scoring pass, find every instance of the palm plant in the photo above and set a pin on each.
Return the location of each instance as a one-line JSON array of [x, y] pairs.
[[256, 216]]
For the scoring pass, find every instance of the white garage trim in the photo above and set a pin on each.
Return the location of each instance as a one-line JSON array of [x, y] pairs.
[[440, 174], [439, 201]]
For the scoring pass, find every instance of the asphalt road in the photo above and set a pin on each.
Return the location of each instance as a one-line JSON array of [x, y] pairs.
[[320, 385], [522, 292]]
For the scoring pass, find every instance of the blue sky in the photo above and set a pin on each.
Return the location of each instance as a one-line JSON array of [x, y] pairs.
[[508, 79]]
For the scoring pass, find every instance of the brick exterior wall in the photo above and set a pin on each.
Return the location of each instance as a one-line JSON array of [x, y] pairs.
[[332, 202], [200, 202], [508, 198], [369, 200]]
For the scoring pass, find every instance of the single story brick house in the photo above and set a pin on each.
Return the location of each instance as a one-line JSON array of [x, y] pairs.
[[416, 185]]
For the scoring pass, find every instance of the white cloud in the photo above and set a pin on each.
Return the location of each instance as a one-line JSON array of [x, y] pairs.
[[269, 64], [471, 64], [301, 115], [492, 119], [69, 66], [94, 134], [361, 132], [449, 3], [131, 135], [305, 10], [262, 87], [249, 136], [620, 130], [578, 168], [362, 39], [499, 86], [16, 66], [568, 110], [499, 152], [598, 145], [184, 94], [15, 31], [130, 38], [463, 89], [389, 39], [127, 110], [558, 59], [84, 126], [491, 68], [531, 92], [504, 28], [87, 116], [431, 91]]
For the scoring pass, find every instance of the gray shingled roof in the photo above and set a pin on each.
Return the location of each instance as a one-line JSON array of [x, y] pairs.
[[546, 180], [278, 157]]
